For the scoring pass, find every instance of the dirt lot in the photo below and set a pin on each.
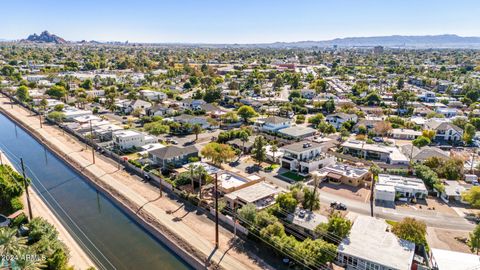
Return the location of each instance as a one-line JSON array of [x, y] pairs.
[[446, 239], [355, 193], [429, 205]]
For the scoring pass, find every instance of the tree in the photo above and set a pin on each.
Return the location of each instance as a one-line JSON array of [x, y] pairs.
[[264, 218], [472, 196], [87, 84], [218, 153], [326, 128], [310, 199], [337, 226], [274, 149], [259, 153], [44, 104], [10, 244], [58, 107], [56, 116], [57, 91], [469, 133], [474, 239], [246, 112], [382, 128], [329, 106], [411, 230], [197, 129], [430, 134], [248, 213], [156, 128], [287, 202], [421, 141], [316, 119], [27, 262], [22, 93]]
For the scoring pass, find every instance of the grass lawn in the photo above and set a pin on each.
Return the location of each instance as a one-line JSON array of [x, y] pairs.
[[294, 176]]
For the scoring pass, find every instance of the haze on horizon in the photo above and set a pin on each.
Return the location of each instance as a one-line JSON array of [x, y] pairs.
[[246, 21]]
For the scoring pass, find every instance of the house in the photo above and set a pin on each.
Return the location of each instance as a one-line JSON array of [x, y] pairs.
[[260, 194], [453, 191], [172, 156], [273, 123], [389, 187], [444, 131], [246, 146], [305, 157], [305, 222], [229, 182], [192, 104], [421, 154], [138, 104], [371, 245], [152, 95], [441, 259], [308, 93], [95, 93], [369, 124], [127, 139], [337, 119], [447, 112], [345, 174], [297, 132], [405, 134], [160, 110], [387, 154], [72, 112]]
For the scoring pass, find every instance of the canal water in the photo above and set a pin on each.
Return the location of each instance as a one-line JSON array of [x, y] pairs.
[[110, 237]]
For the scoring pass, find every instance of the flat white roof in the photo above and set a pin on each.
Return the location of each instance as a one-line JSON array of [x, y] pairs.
[[401, 182], [228, 180], [254, 192], [370, 240], [452, 260]]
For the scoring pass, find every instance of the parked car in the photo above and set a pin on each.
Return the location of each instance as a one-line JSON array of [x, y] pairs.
[[338, 206]]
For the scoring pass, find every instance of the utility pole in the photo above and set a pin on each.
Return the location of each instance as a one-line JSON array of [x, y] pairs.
[[40, 118], [235, 218], [216, 210], [91, 140], [315, 179], [371, 194], [26, 190], [473, 159]]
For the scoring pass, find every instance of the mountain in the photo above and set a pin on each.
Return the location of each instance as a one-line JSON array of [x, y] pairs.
[[45, 37], [436, 41]]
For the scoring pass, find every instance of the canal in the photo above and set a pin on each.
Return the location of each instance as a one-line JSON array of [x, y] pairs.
[[109, 236]]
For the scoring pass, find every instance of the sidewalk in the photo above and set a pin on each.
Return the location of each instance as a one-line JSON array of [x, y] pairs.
[[78, 258], [192, 232]]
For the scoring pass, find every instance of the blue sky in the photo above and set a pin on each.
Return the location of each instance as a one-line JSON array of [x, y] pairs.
[[236, 21]]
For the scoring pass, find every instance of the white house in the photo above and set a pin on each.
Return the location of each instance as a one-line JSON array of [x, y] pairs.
[[152, 95], [126, 139], [273, 123], [338, 119], [370, 245], [389, 186], [305, 157], [405, 134], [444, 131]]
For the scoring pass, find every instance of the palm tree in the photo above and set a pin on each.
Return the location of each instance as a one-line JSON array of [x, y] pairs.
[[274, 149], [26, 262], [10, 244], [196, 129]]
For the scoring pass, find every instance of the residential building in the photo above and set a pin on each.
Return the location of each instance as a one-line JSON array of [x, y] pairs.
[[453, 191], [127, 139], [345, 174], [441, 259], [297, 132], [387, 154], [421, 154], [260, 194], [172, 156], [371, 245], [389, 187], [192, 104], [338, 119], [152, 95], [405, 134], [273, 123], [444, 131], [305, 221], [305, 157]]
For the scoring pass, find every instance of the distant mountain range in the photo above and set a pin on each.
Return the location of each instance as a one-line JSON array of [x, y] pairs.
[[45, 37], [396, 41]]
